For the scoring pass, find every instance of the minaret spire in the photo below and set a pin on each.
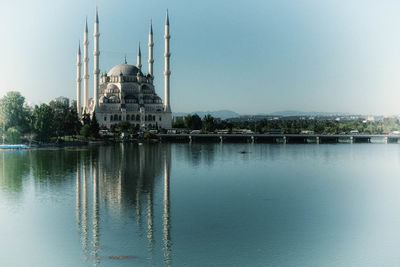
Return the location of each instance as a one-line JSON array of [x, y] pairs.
[[96, 54], [167, 71], [78, 82], [151, 45], [85, 69], [97, 16], [139, 58]]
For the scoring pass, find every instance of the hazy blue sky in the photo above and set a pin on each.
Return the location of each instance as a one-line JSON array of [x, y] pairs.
[[254, 56]]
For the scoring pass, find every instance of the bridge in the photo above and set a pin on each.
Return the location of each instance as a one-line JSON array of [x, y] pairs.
[[281, 138]]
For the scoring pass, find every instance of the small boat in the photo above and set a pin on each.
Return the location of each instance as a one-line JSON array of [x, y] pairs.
[[14, 146]]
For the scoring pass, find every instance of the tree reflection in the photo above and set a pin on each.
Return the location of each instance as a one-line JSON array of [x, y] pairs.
[[14, 168], [118, 180]]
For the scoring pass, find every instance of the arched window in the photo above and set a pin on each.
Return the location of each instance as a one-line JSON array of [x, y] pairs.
[[111, 117], [137, 118], [154, 118], [127, 117], [119, 117], [115, 117]]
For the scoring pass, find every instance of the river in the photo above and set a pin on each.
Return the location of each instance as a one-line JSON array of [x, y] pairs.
[[201, 205]]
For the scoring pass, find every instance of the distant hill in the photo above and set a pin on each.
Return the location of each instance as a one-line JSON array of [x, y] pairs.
[[229, 114], [222, 114], [289, 113]]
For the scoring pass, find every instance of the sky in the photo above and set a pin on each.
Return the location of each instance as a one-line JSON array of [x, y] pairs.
[[252, 57]]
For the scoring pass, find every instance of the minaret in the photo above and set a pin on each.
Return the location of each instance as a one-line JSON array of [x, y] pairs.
[[151, 44], [85, 70], [167, 71], [139, 59], [96, 53], [78, 82]]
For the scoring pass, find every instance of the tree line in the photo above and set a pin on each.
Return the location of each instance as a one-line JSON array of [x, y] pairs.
[[43, 122], [211, 124]]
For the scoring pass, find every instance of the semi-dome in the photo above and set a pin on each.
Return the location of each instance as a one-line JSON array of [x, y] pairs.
[[157, 99], [112, 86], [103, 99], [125, 69]]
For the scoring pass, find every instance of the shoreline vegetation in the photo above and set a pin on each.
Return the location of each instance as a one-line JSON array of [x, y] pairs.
[[57, 124]]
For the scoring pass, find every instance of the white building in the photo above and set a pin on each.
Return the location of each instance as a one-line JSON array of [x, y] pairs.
[[124, 93], [63, 100]]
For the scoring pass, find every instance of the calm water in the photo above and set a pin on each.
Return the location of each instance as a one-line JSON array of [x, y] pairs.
[[201, 205]]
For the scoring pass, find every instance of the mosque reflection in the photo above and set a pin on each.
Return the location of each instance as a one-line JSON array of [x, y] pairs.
[[120, 181]]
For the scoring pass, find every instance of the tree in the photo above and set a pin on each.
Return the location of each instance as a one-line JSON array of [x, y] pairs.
[[208, 123], [13, 112], [124, 126], [13, 136], [148, 135], [94, 126], [43, 122], [73, 124], [86, 119], [61, 114], [113, 128], [193, 122], [179, 123], [85, 131]]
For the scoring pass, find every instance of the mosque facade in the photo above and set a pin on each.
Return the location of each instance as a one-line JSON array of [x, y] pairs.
[[125, 92]]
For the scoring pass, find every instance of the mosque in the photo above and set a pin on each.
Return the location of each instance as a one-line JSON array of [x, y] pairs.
[[125, 93]]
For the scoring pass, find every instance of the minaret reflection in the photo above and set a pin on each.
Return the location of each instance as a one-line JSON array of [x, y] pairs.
[[78, 196], [121, 186], [166, 214], [150, 219], [85, 211], [139, 185], [95, 221]]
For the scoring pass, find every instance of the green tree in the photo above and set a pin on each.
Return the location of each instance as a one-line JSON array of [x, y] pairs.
[[85, 131], [113, 128], [73, 124], [147, 135], [86, 119], [179, 123], [13, 136], [43, 122], [94, 126], [124, 126], [193, 122], [61, 114], [14, 112], [208, 123]]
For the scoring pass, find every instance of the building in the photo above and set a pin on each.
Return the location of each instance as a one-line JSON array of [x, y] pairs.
[[124, 93], [63, 100]]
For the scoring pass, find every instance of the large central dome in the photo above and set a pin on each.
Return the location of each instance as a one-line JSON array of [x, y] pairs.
[[125, 69]]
